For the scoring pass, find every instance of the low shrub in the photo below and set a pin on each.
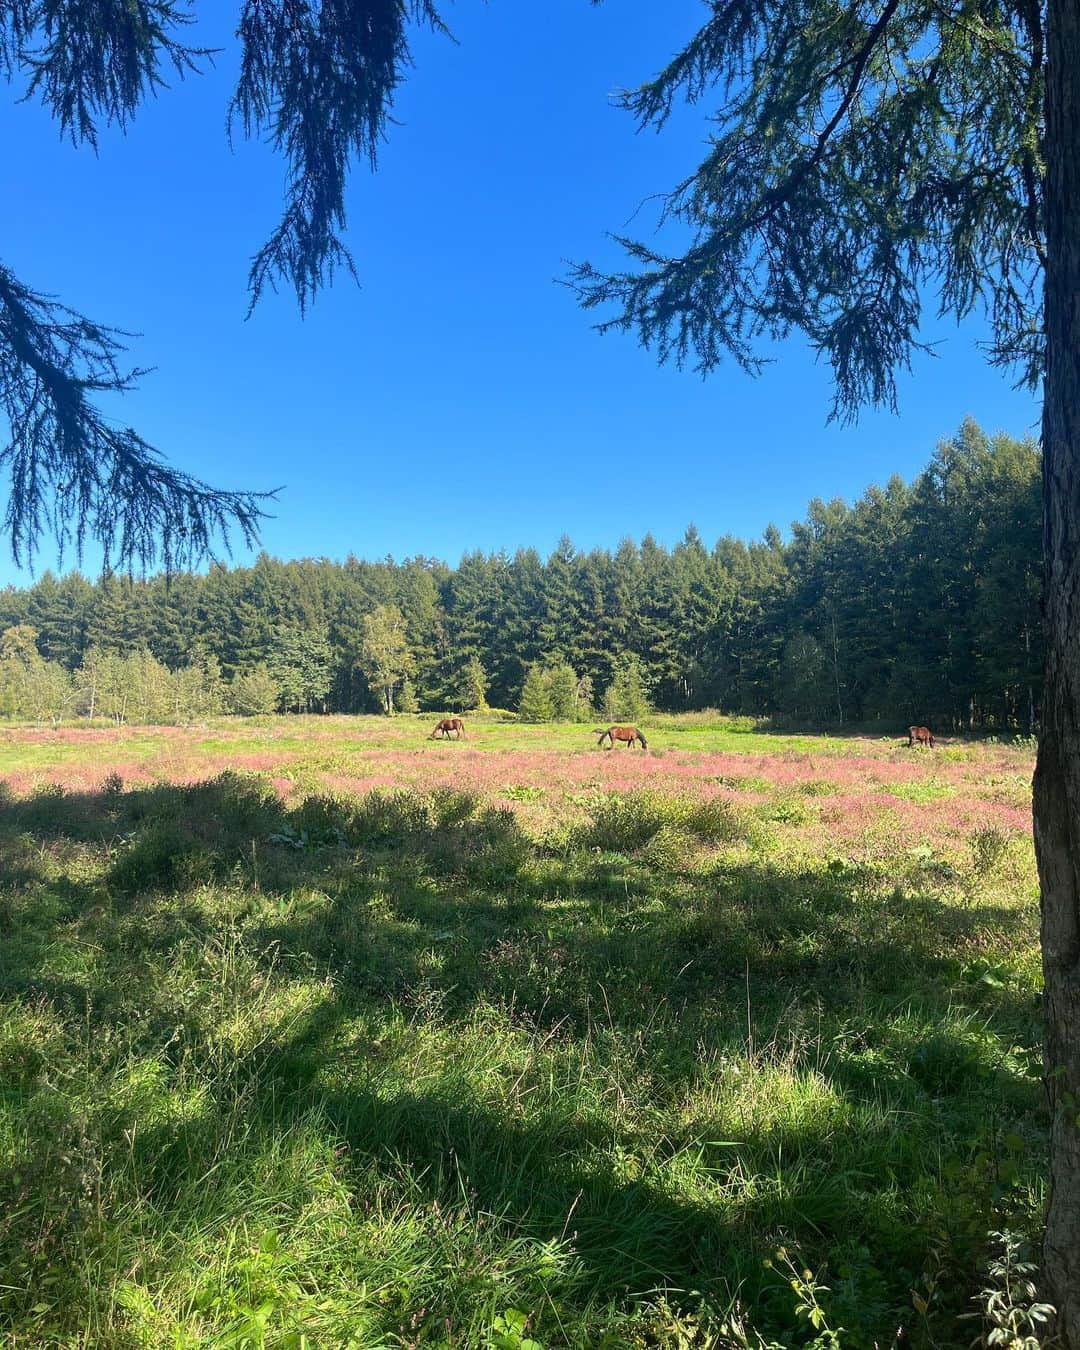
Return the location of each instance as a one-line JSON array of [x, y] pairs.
[[668, 850], [623, 822], [382, 817], [989, 846], [717, 820], [164, 856], [787, 808]]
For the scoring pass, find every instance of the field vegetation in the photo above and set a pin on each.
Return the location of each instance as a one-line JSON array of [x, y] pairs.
[[315, 1032]]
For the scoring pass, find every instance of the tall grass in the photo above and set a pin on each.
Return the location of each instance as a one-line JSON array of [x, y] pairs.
[[386, 1070]]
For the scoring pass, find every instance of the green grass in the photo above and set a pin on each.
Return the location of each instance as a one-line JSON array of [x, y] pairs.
[[690, 732], [926, 791], [388, 1071]]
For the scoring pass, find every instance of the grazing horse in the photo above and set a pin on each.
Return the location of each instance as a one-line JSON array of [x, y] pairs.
[[613, 734], [920, 736], [448, 725]]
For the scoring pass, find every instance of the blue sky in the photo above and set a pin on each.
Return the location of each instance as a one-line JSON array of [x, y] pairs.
[[458, 398]]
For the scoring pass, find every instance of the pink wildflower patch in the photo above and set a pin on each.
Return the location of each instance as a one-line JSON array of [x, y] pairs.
[[872, 789]]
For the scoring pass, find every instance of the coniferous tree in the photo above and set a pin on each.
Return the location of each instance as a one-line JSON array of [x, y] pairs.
[[626, 698], [471, 685], [72, 468], [300, 664], [535, 703], [855, 155], [804, 689], [921, 600], [565, 692]]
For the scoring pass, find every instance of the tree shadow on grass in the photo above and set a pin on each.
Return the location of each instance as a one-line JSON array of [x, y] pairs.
[[606, 1191], [186, 900], [393, 891]]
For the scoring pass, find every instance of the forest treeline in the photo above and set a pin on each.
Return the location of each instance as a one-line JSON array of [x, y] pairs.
[[918, 602]]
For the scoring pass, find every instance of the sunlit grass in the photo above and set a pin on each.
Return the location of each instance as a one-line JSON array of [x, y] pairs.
[[446, 1067]]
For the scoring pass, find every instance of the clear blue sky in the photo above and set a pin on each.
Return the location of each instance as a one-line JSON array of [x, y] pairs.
[[458, 398]]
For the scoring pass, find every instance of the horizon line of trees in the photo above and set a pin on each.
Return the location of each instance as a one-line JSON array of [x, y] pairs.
[[919, 602]]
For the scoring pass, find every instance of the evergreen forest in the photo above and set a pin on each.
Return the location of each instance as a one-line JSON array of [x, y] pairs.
[[919, 602]]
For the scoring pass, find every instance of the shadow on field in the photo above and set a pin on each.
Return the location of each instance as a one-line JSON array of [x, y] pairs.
[[153, 922]]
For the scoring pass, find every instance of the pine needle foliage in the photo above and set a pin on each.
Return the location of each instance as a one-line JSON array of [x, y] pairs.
[[861, 156], [72, 472], [317, 79], [94, 62]]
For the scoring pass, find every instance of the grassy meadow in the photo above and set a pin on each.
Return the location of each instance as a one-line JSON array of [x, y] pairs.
[[317, 1033]]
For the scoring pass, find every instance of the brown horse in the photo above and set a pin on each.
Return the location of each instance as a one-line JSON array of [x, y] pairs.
[[448, 725], [627, 734], [920, 736]]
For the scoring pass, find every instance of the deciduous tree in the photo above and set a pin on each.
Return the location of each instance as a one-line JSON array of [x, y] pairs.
[[385, 658]]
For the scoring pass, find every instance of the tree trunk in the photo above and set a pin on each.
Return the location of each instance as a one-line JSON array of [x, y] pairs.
[[1057, 775]]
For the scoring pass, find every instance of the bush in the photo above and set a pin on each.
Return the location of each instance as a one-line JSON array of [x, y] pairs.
[[624, 822], [233, 808], [255, 693], [164, 856], [667, 850], [382, 817], [319, 820], [989, 845], [787, 808], [450, 807], [717, 820]]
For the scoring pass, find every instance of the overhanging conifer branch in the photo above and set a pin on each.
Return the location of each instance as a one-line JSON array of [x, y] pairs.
[[860, 156], [318, 79], [76, 476], [94, 60]]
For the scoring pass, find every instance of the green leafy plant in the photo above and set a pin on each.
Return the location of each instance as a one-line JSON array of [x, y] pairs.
[[1013, 1317], [509, 1331]]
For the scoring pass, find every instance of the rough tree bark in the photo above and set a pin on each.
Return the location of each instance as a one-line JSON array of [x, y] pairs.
[[1057, 775]]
